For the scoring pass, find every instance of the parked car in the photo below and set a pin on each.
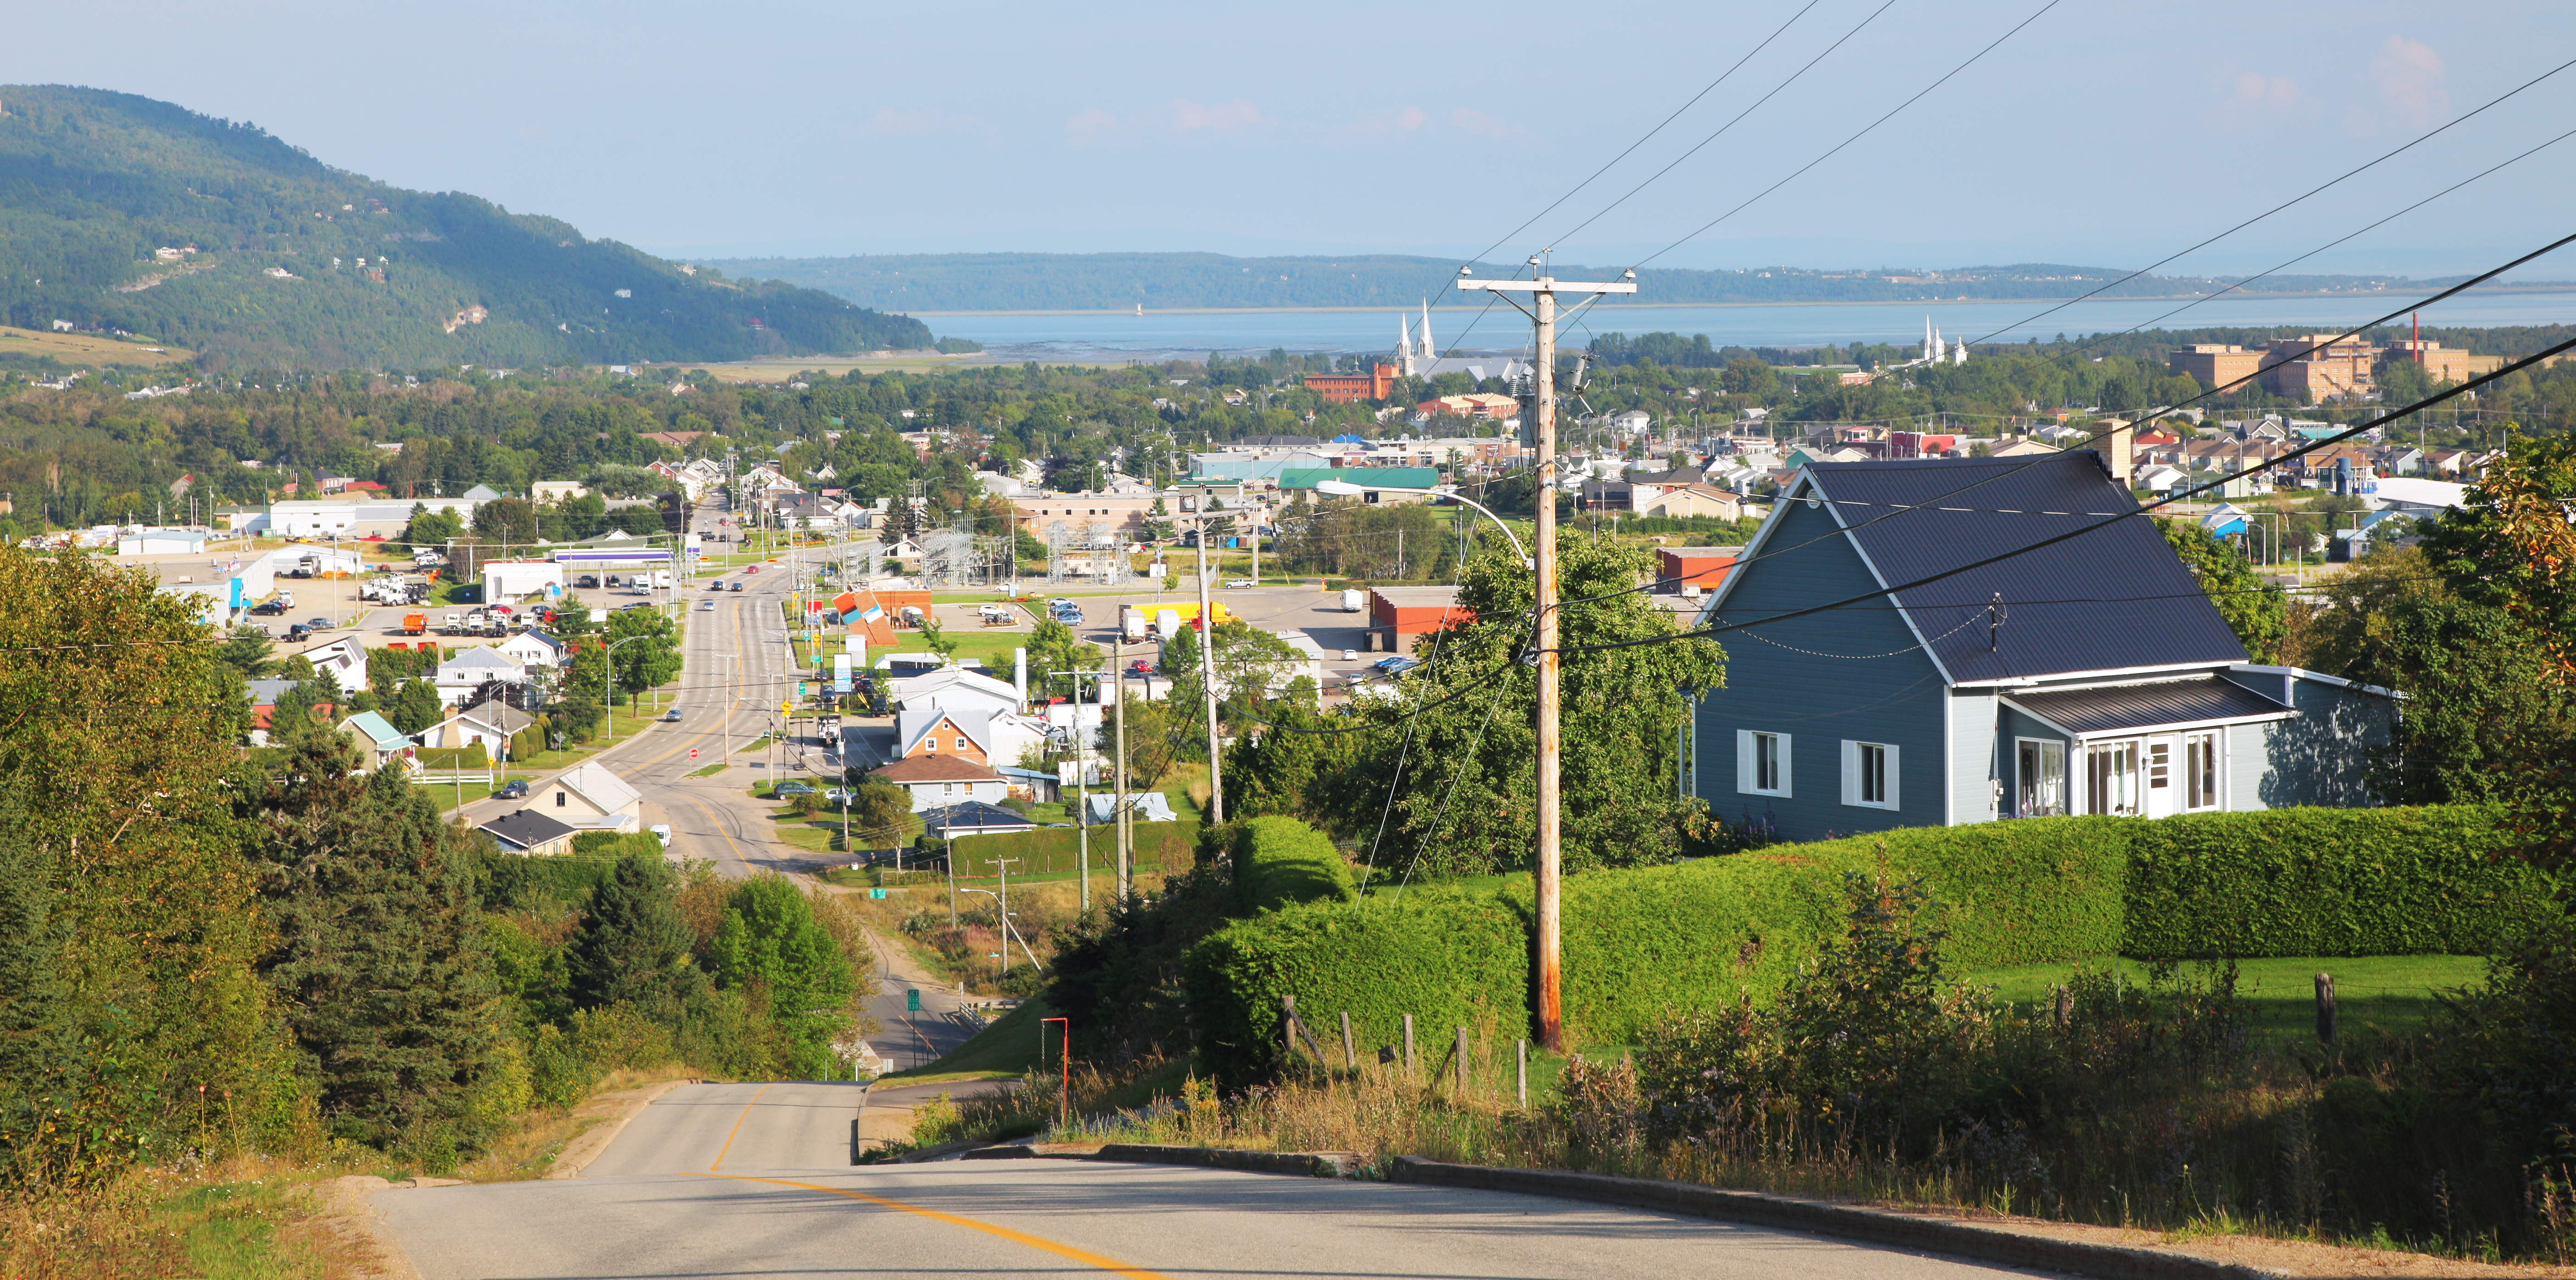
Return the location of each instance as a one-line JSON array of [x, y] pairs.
[[317, 624], [269, 608], [1397, 665], [514, 789], [297, 631], [1140, 668], [1238, 584], [1350, 655], [637, 605], [839, 795], [792, 787], [587, 580]]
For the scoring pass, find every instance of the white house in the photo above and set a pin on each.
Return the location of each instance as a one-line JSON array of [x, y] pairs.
[[460, 676], [590, 797], [489, 724], [557, 490], [346, 660], [937, 781], [954, 689], [534, 648]]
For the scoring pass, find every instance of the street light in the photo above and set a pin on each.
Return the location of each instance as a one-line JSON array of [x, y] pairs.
[[1345, 489], [607, 686]]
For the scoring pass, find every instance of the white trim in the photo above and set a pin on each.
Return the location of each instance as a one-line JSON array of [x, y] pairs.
[[2065, 772], [1888, 762], [2137, 730], [1746, 775], [2302, 673], [1949, 748], [2070, 733], [2107, 674]]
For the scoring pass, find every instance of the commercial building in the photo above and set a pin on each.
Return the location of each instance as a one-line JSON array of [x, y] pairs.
[[1351, 388], [2215, 364], [1398, 616]]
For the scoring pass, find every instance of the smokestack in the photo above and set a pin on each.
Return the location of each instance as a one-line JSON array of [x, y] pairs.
[[2120, 450], [1020, 675]]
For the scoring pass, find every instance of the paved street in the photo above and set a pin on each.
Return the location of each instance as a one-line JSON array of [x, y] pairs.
[[745, 1181]]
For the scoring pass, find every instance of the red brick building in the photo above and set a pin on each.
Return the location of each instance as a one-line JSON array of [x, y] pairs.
[[1351, 388]]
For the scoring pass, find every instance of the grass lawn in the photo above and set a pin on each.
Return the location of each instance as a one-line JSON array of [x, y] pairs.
[[2391, 992], [709, 771], [1003, 1050]]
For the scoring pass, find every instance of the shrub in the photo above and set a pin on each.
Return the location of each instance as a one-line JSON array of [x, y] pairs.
[[1280, 862], [616, 844], [2437, 880]]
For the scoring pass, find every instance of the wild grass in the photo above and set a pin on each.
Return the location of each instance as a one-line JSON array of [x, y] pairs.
[[240, 1219]]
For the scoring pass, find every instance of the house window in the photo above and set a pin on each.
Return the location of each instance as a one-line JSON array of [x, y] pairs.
[[930, 743], [2041, 777], [2111, 778], [2200, 770], [961, 742], [1869, 775], [1761, 763], [559, 799]]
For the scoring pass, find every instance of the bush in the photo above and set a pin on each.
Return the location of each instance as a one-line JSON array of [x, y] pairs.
[[1280, 862], [2438, 880], [612, 845], [1710, 933]]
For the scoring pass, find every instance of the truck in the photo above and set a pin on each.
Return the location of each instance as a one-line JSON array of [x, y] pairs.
[[415, 623], [1134, 623], [661, 580], [450, 624], [1354, 601], [1169, 619]]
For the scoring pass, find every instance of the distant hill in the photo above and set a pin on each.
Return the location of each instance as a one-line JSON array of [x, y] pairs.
[[300, 265], [1118, 281]]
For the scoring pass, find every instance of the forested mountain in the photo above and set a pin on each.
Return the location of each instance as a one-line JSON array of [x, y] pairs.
[[122, 213], [1118, 281]]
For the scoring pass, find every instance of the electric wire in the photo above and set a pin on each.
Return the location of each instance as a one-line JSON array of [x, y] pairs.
[[2350, 173], [1891, 591]]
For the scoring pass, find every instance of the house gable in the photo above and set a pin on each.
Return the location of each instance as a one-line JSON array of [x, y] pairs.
[[1857, 673]]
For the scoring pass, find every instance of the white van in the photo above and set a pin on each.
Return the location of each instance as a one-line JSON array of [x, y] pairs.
[[661, 833]]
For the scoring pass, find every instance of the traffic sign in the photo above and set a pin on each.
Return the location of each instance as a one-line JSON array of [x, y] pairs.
[[911, 999], [878, 894], [693, 753]]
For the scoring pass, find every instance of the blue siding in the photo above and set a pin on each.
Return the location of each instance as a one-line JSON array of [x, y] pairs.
[[2322, 755], [2012, 726], [1786, 678]]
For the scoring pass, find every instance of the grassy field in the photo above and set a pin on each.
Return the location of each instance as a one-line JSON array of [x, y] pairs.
[[88, 348], [1007, 1048], [2394, 993]]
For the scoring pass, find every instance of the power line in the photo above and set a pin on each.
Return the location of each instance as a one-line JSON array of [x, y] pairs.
[[1864, 132], [2418, 140], [1721, 129], [1891, 591]]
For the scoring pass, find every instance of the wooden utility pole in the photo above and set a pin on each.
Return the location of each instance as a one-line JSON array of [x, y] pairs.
[[1551, 746], [1207, 673], [1118, 762]]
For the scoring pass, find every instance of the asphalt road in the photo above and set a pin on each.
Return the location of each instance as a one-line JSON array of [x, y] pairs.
[[749, 1180]]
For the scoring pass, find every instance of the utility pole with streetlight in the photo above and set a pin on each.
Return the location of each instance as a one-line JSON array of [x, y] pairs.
[[1551, 746], [1207, 672]]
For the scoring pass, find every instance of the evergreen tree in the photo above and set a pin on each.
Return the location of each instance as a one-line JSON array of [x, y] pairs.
[[634, 946], [376, 961]]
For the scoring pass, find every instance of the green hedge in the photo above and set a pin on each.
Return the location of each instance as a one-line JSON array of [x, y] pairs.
[[1160, 846], [1702, 934], [470, 756], [1449, 957], [616, 844], [1280, 862], [2326, 882]]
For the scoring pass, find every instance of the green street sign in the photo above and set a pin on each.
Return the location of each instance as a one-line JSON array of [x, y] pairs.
[[800, 688], [911, 999], [878, 894]]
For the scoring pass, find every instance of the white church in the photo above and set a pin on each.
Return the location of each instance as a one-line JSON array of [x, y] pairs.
[[1416, 357]]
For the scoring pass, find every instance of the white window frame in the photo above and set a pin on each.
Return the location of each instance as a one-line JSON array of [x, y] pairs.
[[1854, 754], [1747, 776], [2021, 779], [2215, 756]]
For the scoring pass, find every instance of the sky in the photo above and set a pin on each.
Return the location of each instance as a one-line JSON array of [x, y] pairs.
[[2099, 134]]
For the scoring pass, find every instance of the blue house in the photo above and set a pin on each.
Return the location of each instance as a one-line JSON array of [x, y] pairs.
[[2091, 675]]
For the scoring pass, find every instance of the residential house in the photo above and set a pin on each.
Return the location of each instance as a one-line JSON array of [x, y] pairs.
[[1693, 500], [2089, 675], [529, 833], [588, 796], [973, 818], [557, 491], [2021, 448], [1101, 807], [264, 696], [345, 658], [535, 648], [945, 779], [460, 677], [490, 725], [956, 689], [985, 737], [379, 742]]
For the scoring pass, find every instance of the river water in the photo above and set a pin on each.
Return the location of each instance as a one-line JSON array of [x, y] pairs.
[[1099, 335]]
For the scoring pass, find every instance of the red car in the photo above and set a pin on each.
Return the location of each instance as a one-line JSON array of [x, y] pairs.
[[751, 568]]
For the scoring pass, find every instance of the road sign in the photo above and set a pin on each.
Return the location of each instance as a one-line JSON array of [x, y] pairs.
[[878, 894], [693, 753], [911, 999], [800, 689]]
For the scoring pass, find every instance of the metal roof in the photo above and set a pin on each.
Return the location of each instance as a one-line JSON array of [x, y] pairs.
[[527, 829], [2116, 598], [2196, 700], [972, 816]]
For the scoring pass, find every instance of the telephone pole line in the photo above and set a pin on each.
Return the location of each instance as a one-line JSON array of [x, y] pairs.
[[1551, 746], [1207, 672]]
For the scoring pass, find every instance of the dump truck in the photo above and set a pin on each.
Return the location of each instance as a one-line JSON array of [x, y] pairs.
[[415, 623]]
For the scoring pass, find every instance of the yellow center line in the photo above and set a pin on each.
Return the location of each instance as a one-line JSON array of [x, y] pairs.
[[718, 824], [737, 1129], [1083, 1256]]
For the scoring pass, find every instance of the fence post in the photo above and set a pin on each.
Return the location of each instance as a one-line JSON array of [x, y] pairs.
[[1461, 1055], [1523, 1072], [1408, 1044], [2325, 1008], [1350, 1053]]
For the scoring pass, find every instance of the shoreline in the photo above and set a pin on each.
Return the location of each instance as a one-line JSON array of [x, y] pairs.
[[1151, 312]]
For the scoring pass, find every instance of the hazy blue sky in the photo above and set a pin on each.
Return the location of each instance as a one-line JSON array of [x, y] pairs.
[[2103, 133]]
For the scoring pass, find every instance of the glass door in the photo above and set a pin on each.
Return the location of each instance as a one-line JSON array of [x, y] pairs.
[[2111, 777]]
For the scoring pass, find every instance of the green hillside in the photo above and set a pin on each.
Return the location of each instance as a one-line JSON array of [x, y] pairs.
[[94, 184]]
